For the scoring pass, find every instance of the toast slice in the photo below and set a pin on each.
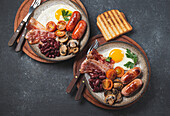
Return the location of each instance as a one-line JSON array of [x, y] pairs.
[[112, 24]]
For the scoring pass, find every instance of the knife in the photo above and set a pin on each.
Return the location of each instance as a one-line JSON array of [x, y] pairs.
[[23, 23], [95, 45]]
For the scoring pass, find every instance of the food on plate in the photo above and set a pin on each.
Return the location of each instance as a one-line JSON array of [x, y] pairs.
[[51, 26], [107, 84], [96, 61], [74, 19], [35, 35], [34, 24], [50, 47], [112, 24], [110, 99], [55, 13], [118, 85], [63, 50], [130, 75], [133, 56], [111, 74], [61, 25], [60, 33], [118, 55], [60, 21], [119, 71], [131, 87], [79, 30]]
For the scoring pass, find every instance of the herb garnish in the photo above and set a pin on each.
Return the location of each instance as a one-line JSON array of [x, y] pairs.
[[66, 14], [133, 56], [108, 59]]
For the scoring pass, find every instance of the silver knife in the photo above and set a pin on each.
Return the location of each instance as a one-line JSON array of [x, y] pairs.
[[95, 45], [22, 24]]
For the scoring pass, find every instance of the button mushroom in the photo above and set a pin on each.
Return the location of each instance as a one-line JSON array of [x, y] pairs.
[[63, 39], [63, 50], [110, 99], [119, 97], [118, 85], [115, 91], [72, 43], [117, 80], [107, 92]]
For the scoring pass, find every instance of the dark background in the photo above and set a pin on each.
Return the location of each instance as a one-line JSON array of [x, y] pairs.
[[31, 88]]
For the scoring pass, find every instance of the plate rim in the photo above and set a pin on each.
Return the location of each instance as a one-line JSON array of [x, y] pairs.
[[71, 55], [147, 83]]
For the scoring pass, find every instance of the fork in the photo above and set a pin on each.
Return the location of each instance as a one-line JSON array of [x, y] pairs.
[[23, 23], [95, 45]]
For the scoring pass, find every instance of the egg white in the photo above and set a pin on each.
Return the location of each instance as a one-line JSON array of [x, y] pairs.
[[49, 14], [121, 63]]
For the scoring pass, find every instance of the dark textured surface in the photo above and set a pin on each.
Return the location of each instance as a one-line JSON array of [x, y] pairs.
[[30, 88]]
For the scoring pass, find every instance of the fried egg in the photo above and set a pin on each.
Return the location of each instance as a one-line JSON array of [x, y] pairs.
[[54, 13], [119, 56]]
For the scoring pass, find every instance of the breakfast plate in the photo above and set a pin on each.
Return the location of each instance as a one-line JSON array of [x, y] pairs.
[[46, 12], [104, 50]]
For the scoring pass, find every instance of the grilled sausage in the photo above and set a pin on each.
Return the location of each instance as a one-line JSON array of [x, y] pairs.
[[79, 30], [131, 87], [130, 75], [74, 19]]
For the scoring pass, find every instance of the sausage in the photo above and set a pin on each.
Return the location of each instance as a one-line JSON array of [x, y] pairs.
[[131, 87], [79, 30], [130, 75], [74, 19]]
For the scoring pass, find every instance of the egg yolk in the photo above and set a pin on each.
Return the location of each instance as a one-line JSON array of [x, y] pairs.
[[116, 55], [58, 13]]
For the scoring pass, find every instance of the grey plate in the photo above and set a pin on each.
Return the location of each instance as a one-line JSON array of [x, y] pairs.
[[142, 63], [83, 41]]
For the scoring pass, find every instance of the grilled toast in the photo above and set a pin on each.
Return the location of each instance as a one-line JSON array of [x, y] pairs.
[[112, 24]]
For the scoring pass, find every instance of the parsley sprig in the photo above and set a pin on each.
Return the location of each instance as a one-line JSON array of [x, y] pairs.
[[133, 56], [108, 59], [66, 14]]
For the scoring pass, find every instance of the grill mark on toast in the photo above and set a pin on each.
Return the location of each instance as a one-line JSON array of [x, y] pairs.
[[113, 26], [118, 20], [103, 28], [115, 22], [108, 25], [124, 20]]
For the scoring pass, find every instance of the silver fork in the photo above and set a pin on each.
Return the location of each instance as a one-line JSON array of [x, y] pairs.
[[21, 40], [22, 24], [95, 45]]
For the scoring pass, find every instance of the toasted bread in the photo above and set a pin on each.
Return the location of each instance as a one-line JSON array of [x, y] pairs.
[[112, 24]]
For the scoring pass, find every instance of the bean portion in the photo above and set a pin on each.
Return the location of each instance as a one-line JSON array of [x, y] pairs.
[[95, 81], [50, 47]]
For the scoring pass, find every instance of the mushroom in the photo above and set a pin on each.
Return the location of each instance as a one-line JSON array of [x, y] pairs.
[[115, 91], [107, 92], [117, 80], [119, 97], [118, 85], [73, 43], [110, 99], [73, 50], [63, 50], [63, 39]]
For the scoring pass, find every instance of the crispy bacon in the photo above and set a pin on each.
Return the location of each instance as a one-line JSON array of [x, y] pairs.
[[35, 35], [34, 24], [95, 61]]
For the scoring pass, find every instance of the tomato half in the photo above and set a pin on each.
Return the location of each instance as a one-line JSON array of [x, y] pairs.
[[51, 26], [107, 84], [111, 74], [120, 71], [60, 33], [61, 25]]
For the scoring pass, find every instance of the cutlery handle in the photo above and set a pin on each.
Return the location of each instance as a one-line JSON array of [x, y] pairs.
[[16, 33], [80, 90], [72, 83], [21, 40]]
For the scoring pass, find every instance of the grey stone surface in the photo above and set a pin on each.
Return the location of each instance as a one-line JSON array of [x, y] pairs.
[[31, 88]]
